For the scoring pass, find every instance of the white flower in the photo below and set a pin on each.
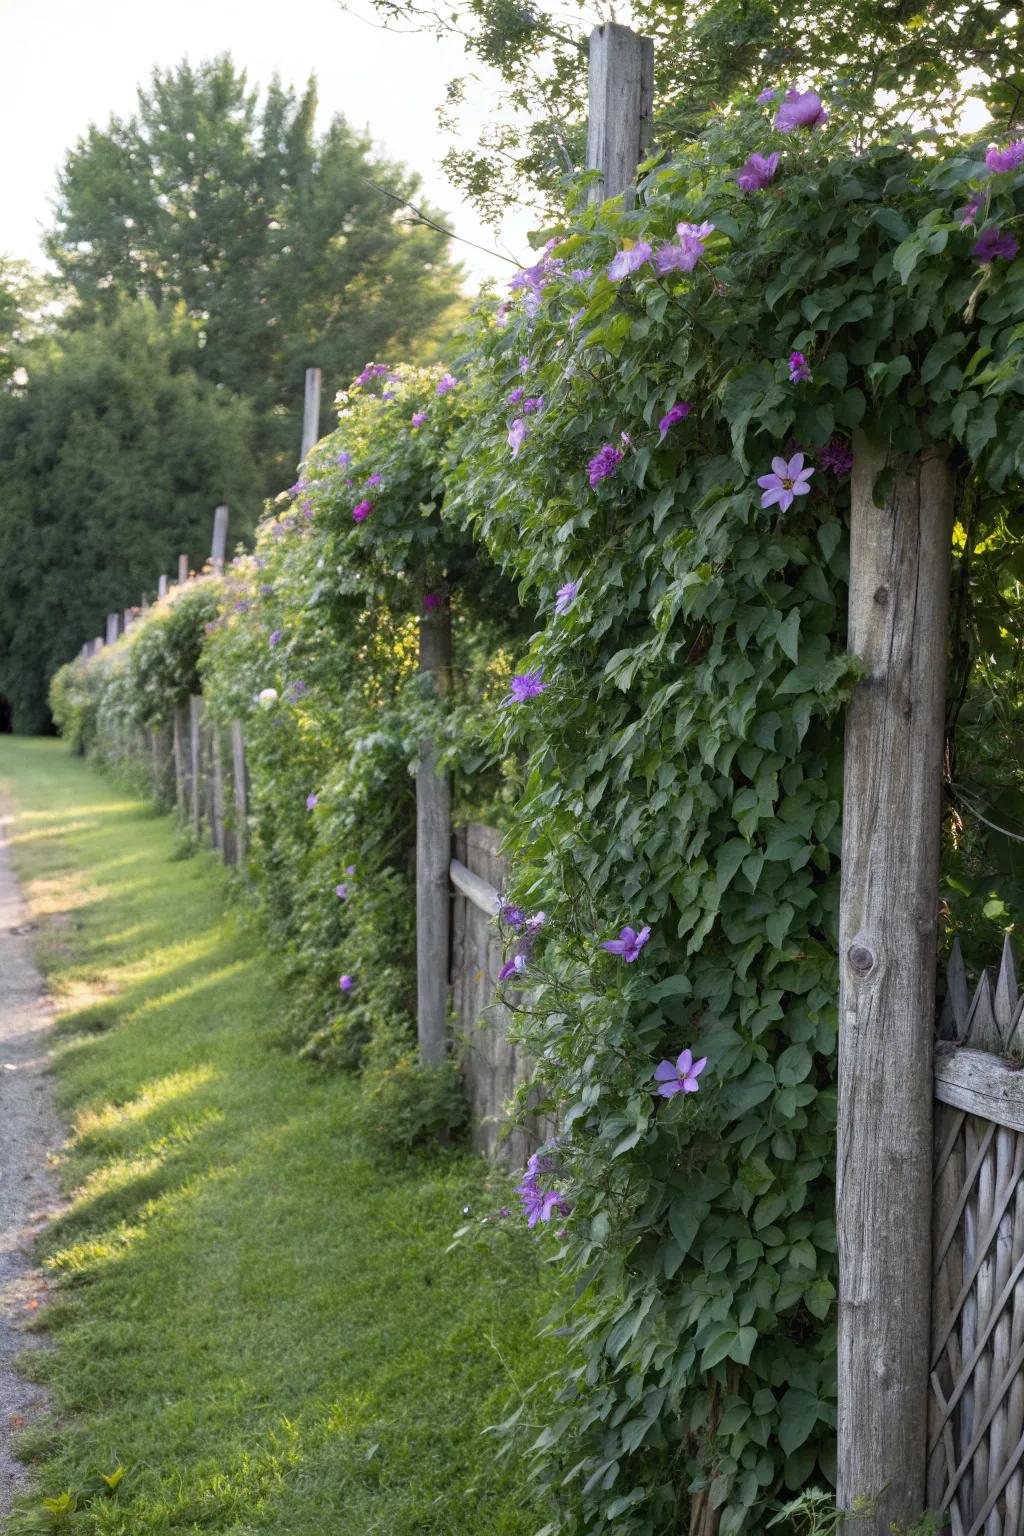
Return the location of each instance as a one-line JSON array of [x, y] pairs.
[[267, 698]]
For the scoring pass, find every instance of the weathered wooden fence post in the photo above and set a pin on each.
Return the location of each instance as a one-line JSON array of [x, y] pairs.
[[112, 628], [311, 413], [218, 549], [161, 586], [433, 850], [899, 602], [195, 716], [182, 570], [241, 788], [621, 105]]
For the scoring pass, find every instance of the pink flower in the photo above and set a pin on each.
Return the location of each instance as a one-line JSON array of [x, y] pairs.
[[757, 170], [1008, 159], [517, 434], [630, 260], [680, 1076], [628, 944], [785, 483], [801, 109], [361, 511]]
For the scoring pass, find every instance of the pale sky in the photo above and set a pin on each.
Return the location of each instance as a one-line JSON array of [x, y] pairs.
[[68, 63]]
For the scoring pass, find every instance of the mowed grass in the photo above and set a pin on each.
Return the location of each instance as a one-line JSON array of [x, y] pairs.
[[253, 1317]]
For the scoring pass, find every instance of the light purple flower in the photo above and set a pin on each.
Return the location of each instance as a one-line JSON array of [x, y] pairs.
[[346, 983], [343, 459], [565, 595], [370, 372], [625, 440], [757, 171], [526, 685], [994, 245], [799, 372], [517, 435], [580, 274], [275, 637], [677, 412], [786, 482], [801, 109], [515, 395], [539, 1203], [1009, 159], [341, 891], [361, 511], [684, 256], [446, 383], [311, 802], [836, 456], [514, 916], [534, 404], [768, 94], [514, 966], [679, 1076], [628, 944], [350, 869], [969, 212], [604, 463], [629, 260], [374, 479], [418, 418], [524, 364]]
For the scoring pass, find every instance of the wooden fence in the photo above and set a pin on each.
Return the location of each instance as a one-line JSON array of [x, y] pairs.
[[976, 1409]]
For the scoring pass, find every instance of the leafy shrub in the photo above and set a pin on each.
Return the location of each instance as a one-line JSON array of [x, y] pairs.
[[404, 1106]]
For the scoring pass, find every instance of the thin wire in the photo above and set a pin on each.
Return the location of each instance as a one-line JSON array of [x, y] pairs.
[[403, 203], [965, 800]]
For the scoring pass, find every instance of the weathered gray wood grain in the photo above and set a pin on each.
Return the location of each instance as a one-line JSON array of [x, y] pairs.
[[433, 855], [621, 103]]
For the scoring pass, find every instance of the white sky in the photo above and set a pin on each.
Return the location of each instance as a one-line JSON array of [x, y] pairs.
[[68, 63]]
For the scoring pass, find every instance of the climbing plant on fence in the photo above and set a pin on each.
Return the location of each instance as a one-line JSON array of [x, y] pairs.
[[676, 501]]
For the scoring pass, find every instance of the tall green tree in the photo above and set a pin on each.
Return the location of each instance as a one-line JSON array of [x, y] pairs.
[[22, 296], [114, 455], [286, 248]]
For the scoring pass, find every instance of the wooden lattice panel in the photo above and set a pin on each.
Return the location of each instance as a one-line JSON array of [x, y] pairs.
[[976, 1415]]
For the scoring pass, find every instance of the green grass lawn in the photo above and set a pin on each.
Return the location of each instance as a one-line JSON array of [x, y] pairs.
[[253, 1318]]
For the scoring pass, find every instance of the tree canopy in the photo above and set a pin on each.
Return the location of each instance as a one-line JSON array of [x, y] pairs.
[[287, 248]]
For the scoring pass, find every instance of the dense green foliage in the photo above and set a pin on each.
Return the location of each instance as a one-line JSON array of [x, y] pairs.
[[257, 1322], [677, 721], [114, 456], [287, 248], [21, 294]]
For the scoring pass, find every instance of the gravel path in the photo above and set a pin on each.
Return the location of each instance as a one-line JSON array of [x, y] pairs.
[[29, 1134]]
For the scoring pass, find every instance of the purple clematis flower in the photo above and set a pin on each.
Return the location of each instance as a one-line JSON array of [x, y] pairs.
[[418, 418], [446, 383], [517, 435], [275, 637], [679, 1076], [564, 597], [514, 966], [630, 260], [432, 600], [604, 463], [539, 1203], [786, 482], [684, 256], [374, 479], [969, 212], [526, 685], [799, 371], [628, 944], [836, 456], [757, 170], [801, 109], [994, 245], [311, 802], [346, 983], [524, 364], [1009, 159], [361, 511], [768, 94], [534, 404], [515, 395], [514, 916], [350, 869], [677, 412], [341, 891], [343, 459]]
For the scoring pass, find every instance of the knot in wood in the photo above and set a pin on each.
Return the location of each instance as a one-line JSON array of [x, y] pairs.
[[882, 596], [861, 958]]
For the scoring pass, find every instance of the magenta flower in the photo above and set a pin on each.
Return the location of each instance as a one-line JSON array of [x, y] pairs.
[[311, 802], [677, 412], [533, 405], [526, 685], [993, 245], [346, 983], [801, 109], [786, 482], [630, 260], [799, 372], [757, 170], [515, 395], [361, 511], [767, 95], [432, 600], [679, 1076], [836, 456], [565, 596], [1008, 159], [341, 891], [446, 383], [275, 637], [628, 944], [604, 463], [517, 434]]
